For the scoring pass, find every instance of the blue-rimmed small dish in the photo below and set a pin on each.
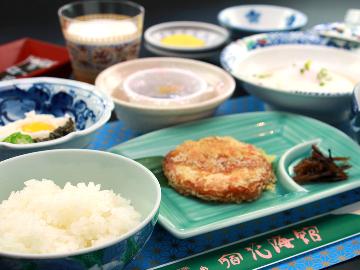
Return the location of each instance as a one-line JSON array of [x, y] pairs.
[[252, 56], [90, 110], [247, 20], [339, 31]]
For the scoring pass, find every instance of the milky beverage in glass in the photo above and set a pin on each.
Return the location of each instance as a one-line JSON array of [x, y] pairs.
[[111, 33]]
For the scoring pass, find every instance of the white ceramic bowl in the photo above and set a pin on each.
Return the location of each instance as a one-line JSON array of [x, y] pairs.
[[212, 35], [91, 110], [265, 52], [252, 19], [124, 176], [144, 117]]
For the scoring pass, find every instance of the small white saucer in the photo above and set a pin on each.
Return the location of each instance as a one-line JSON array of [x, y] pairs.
[[212, 35], [190, 55], [254, 19]]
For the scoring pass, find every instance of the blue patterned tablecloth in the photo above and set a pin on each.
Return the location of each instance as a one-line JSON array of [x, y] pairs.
[[163, 247]]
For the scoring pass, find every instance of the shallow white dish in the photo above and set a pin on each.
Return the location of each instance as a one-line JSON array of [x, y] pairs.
[[145, 117], [212, 35], [191, 55], [263, 52], [261, 18]]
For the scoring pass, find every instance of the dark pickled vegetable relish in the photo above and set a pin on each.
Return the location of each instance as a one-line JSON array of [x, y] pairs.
[[59, 132], [320, 168]]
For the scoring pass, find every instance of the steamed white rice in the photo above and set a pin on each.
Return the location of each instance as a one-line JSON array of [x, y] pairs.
[[44, 218]]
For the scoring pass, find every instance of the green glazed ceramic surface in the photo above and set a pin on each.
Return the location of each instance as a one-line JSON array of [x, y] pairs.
[[124, 176], [275, 133]]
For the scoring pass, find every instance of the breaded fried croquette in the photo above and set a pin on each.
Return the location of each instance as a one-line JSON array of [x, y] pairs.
[[219, 169]]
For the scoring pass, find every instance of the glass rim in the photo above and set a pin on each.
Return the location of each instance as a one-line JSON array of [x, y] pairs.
[[127, 3]]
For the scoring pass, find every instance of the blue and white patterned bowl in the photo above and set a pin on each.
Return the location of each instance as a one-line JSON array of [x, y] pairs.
[[355, 113], [91, 109], [339, 30], [246, 20], [124, 176], [271, 50]]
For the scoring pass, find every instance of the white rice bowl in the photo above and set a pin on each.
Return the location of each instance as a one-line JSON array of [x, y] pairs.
[[71, 218]]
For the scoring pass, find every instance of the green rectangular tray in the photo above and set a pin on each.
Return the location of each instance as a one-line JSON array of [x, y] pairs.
[[275, 133]]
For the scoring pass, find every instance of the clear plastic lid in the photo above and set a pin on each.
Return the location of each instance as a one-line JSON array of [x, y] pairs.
[[166, 87]]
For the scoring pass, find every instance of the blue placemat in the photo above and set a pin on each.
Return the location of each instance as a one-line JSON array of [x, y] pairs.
[[163, 247], [115, 133]]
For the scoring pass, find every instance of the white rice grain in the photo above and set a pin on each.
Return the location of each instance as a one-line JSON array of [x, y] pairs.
[[44, 218]]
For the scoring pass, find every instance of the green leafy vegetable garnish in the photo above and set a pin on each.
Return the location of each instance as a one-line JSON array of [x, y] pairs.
[[323, 76], [263, 76], [18, 138], [306, 66]]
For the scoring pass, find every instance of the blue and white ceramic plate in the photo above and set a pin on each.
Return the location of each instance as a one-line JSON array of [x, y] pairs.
[[90, 109], [253, 19], [263, 53], [339, 30], [355, 113], [212, 36]]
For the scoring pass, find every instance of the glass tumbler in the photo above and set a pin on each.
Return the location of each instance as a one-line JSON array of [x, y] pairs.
[[100, 33]]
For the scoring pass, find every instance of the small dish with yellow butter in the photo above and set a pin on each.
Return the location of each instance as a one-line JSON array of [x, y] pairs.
[[186, 36]]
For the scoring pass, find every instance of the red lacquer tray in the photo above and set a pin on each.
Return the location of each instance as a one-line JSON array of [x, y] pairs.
[[18, 51]]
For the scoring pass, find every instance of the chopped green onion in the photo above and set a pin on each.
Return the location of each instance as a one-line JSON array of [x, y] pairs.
[[306, 66], [18, 138], [263, 76], [323, 76]]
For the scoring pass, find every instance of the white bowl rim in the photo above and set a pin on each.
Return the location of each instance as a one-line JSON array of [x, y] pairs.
[[292, 92], [263, 30], [148, 35], [109, 106], [200, 105], [181, 54], [130, 233]]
